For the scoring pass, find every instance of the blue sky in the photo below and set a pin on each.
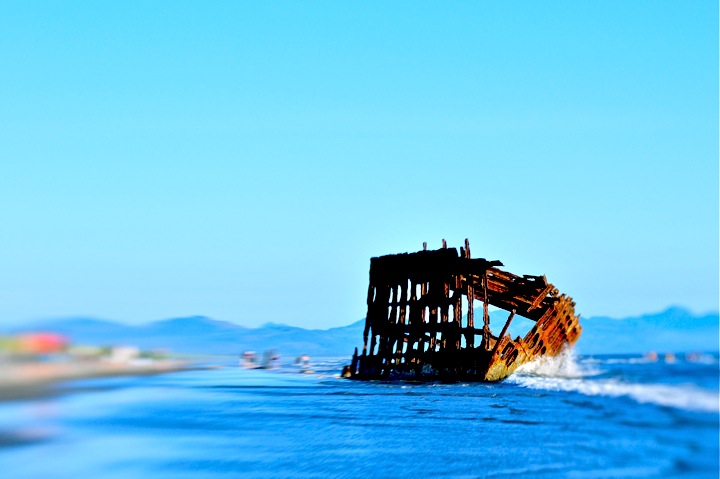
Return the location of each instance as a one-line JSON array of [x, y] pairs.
[[244, 160]]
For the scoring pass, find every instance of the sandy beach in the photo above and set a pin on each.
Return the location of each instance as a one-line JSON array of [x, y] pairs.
[[23, 380]]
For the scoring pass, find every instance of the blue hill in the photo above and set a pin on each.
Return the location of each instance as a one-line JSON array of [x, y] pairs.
[[675, 329]]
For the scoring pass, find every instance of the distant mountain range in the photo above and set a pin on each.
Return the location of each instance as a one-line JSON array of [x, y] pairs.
[[202, 335], [675, 330]]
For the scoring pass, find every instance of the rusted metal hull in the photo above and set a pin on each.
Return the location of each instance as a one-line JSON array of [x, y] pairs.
[[415, 328]]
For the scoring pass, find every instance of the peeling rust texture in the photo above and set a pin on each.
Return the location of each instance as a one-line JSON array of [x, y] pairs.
[[415, 328]]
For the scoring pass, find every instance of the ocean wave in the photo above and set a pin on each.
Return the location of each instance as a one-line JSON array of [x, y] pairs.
[[697, 358], [564, 365], [565, 373]]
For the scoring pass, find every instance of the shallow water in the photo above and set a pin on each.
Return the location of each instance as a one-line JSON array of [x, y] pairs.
[[590, 417]]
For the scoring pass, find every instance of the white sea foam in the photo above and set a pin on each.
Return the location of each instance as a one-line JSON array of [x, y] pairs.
[[564, 365], [565, 373]]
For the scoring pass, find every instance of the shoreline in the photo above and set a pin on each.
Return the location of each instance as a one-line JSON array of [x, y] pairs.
[[31, 380]]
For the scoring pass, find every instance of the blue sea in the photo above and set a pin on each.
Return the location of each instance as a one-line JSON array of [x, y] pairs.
[[570, 417]]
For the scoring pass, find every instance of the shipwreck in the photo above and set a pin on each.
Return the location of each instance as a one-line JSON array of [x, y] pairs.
[[415, 328]]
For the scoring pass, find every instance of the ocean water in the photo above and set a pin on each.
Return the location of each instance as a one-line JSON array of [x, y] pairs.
[[601, 417]]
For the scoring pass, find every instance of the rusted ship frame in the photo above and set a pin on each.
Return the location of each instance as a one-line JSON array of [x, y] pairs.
[[414, 327]]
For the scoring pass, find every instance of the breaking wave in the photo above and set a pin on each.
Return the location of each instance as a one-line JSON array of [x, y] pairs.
[[564, 365], [565, 373]]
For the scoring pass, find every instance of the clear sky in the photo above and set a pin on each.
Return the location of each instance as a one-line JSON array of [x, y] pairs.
[[244, 160]]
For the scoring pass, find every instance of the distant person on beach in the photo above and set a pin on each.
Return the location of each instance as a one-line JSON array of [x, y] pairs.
[[248, 360], [303, 362], [271, 360]]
